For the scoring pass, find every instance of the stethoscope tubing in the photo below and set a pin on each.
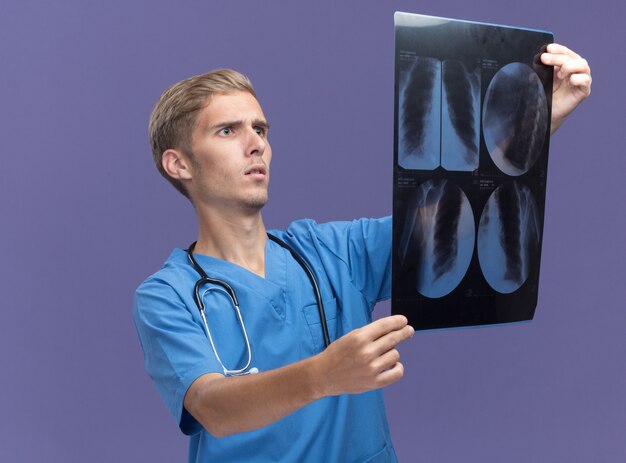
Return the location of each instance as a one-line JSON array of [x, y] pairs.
[[316, 288], [205, 279]]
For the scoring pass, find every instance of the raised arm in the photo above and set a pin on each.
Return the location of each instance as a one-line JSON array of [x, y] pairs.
[[362, 360], [572, 81]]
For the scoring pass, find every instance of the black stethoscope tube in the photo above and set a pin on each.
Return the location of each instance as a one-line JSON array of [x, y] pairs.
[[316, 288], [205, 279]]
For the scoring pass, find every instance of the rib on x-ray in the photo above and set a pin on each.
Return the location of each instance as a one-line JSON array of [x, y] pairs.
[[515, 118], [508, 234], [438, 237], [460, 117], [420, 110]]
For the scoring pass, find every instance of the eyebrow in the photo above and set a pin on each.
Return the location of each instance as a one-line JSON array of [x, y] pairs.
[[238, 123]]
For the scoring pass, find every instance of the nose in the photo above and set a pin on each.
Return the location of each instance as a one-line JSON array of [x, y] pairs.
[[256, 143]]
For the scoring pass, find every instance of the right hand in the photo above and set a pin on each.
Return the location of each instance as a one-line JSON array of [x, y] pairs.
[[572, 81], [365, 358]]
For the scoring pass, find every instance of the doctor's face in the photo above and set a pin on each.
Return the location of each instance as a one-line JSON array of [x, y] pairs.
[[231, 154]]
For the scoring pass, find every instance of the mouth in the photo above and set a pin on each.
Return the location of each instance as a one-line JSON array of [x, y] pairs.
[[256, 170]]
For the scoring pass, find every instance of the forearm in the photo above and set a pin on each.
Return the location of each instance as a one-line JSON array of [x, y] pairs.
[[362, 360], [230, 405]]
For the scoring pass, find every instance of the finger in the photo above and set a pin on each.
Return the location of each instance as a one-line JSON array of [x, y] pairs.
[[383, 326], [391, 375], [559, 49], [386, 361], [391, 340], [562, 60], [574, 66], [550, 59], [580, 80]]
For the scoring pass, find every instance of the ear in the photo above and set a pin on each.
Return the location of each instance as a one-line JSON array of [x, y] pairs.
[[176, 164]]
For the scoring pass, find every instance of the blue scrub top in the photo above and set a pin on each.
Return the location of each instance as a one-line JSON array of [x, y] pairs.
[[352, 264]]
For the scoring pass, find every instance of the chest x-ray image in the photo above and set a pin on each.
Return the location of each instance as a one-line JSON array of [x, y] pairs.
[[460, 119], [420, 103], [472, 125], [438, 237], [439, 114], [515, 117], [508, 236]]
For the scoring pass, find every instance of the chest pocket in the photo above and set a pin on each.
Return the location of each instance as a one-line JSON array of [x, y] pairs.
[[312, 317]]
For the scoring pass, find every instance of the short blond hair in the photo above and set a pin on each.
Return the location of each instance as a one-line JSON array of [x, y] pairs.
[[174, 115]]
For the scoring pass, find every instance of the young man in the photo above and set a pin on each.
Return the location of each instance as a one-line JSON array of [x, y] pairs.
[[253, 380]]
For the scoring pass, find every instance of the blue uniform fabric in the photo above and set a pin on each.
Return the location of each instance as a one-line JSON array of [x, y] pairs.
[[352, 263]]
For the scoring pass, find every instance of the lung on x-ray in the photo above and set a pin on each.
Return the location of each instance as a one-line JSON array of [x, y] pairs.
[[472, 125]]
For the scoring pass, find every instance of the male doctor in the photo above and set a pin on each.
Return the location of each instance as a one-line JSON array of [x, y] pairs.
[[260, 384]]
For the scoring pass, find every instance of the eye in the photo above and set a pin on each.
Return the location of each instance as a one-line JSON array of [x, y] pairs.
[[225, 131], [260, 131]]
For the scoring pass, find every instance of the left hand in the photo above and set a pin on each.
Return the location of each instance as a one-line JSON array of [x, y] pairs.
[[572, 81]]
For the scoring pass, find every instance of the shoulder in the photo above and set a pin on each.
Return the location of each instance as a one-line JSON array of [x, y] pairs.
[[166, 283], [174, 269]]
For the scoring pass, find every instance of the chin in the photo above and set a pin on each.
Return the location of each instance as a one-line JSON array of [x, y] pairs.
[[257, 202]]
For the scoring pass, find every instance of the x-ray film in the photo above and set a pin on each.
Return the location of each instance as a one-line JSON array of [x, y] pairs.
[[472, 126]]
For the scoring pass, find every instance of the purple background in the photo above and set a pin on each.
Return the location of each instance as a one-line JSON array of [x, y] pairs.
[[85, 217]]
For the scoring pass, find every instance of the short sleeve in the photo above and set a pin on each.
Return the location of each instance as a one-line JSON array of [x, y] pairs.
[[364, 245], [174, 346]]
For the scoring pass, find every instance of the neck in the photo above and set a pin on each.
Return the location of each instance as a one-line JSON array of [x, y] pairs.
[[239, 239]]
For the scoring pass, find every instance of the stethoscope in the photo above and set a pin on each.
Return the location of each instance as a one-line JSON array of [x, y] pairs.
[[205, 279]]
